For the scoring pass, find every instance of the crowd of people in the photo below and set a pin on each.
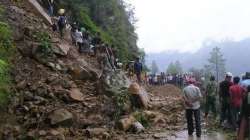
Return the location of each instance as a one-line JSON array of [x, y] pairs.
[[161, 79], [234, 99]]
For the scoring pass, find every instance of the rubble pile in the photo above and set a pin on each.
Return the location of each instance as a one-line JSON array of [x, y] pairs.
[[64, 95]]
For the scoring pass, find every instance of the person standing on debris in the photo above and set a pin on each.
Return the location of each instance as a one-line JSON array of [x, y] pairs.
[[51, 7], [211, 91], [79, 39], [138, 69], [86, 44], [192, 96], [97, 42], [61, 22], [225, 98], [236, 96], [73, 30]]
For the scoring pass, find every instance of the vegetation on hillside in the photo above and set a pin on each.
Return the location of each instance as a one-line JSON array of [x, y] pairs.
[[114, 19], [6, 51]]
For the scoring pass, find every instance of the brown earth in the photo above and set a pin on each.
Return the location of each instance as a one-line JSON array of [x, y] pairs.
[[59, 97]]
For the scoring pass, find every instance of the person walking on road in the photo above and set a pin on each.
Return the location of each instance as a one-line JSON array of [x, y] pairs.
[[192, 97], [225, 99], [236, 97], [211, 91]]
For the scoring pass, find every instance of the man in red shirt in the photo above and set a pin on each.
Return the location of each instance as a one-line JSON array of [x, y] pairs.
[[236, 96]]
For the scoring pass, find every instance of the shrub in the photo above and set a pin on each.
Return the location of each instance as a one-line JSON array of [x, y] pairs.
[[45, 43], [140, 117], [6, 53], [120, 100]]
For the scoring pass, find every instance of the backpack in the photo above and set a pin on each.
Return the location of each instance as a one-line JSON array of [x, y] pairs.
[[61, 21]]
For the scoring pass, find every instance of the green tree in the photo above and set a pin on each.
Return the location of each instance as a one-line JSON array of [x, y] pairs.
[[216, 63], [174, 68], [198, 73], [154, 67]]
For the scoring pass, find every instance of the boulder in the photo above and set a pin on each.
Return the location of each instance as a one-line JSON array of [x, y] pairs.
[[161, 135], [80, 73], [61, 117], [137, 127], [17, 10], [114, 83], [139, 96], [61, 49], [126, 123], [76, 95], [98, 132]]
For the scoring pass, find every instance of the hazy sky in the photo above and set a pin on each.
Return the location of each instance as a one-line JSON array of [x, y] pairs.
[[184, 24]]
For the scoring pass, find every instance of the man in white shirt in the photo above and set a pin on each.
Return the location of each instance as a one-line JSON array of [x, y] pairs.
[[79, 39], [192, 96]]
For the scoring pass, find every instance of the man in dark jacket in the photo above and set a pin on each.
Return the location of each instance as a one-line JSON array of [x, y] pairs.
[[138, 69], [225, 98]]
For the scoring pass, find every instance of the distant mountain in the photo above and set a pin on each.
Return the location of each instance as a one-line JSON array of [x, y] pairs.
[[236, 53]]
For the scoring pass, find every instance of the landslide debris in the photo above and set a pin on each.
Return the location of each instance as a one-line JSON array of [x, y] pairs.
[[61, 94]]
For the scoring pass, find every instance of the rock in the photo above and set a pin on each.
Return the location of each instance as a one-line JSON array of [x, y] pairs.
[[160, 135], [114, 83], [31, 134], [42, 133], [55, 40], [81, 73], [54, 132], [29, 46], [61, 49], [126, 123], [139, 96], [137, 127], [61, 117], [150, 114], [17, 10], [98, 132], [21, 85], [29, 31], [56, 135], [76, 95]]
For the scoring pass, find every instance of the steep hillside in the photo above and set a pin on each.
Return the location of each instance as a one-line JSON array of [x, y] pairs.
[[113, 18]]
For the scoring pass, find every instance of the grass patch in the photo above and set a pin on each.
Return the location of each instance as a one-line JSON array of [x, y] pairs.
[[141, 117], [121, 103], [7, 51]]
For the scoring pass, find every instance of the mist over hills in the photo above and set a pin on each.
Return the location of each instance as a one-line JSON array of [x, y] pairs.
[[236, 53]]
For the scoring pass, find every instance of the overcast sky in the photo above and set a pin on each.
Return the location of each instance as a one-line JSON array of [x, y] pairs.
[[184, 24]]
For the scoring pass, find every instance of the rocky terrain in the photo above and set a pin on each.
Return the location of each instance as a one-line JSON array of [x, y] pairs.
[[61, 94]]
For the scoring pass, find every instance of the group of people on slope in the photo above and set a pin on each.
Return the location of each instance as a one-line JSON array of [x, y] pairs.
[[234, 99], [82, 39]]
